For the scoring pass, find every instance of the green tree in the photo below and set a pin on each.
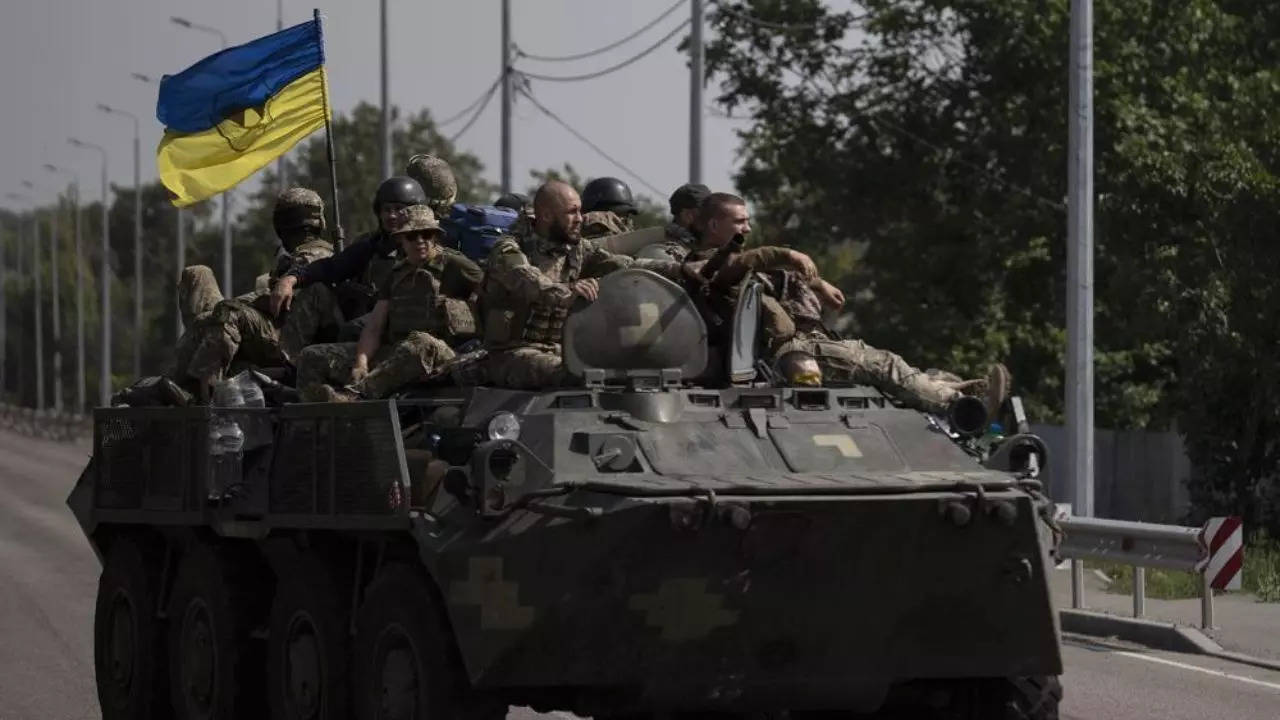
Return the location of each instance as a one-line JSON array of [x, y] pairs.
[[932, 133]]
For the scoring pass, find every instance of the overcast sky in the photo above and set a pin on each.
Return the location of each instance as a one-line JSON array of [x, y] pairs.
[[59, 58]]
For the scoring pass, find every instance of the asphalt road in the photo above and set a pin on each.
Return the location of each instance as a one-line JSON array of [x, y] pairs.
[[48, 577]]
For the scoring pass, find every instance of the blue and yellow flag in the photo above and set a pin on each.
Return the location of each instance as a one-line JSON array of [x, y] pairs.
[[232, 113]]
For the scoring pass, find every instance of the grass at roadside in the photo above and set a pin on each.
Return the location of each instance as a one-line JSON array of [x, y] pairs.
[[1261, 575]]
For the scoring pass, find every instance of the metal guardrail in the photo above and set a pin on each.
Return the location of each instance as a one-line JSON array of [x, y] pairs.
[[47, 424], [1141, 545]]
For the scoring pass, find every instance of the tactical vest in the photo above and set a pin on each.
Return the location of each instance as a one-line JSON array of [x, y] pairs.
[[509, 322], [800, 302], [416, 304]]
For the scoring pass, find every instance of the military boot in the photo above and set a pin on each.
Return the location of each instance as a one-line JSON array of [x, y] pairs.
[[317, 392], [998, 382]]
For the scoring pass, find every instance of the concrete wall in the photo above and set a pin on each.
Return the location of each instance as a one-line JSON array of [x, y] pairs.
[[1137, 475]]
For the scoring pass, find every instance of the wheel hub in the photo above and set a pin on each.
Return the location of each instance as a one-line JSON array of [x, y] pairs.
[[399, 676], [303, 673], [122, 641], [199, 658]]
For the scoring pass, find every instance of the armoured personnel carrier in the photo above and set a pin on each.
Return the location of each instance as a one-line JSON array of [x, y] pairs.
[[653, 541]]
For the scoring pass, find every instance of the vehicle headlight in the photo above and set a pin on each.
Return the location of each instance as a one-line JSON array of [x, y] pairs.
[[503, 426]]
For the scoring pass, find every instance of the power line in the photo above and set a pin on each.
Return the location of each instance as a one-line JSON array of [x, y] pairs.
[[783, 27], [606, 48], [588, 143], [476, 116], [479, 98], [614, 68], [882, 123]]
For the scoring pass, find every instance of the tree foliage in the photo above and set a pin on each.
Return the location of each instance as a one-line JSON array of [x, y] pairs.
[[920, 147]]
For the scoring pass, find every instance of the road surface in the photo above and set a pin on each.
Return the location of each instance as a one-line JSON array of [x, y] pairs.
[[48, 577]]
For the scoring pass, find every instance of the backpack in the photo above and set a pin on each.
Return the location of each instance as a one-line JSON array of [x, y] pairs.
[[473, 229]]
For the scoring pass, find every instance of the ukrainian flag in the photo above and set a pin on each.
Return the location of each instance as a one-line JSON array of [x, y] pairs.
[[232, 113]]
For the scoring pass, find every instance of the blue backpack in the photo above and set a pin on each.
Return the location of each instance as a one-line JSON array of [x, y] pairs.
[[473, 229]]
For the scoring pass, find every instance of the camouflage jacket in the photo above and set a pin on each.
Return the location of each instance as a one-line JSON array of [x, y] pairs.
[[434, 297], [527, 288], [603, 223]]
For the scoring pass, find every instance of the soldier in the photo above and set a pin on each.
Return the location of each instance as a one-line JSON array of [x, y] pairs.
[[437, 181], [607, 208], [532, 282], [422, 313], [241, 329], [682, 234], [344, 286]]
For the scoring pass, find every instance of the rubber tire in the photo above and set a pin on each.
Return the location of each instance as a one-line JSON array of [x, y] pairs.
[[399, 602], [132, 576], [309, 587], [208, 583], [1033, 698]]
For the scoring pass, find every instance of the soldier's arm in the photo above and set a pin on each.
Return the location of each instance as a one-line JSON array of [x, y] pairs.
[[461, 277], [335, 268], [371, 335], [600, 262], [511, 269], [763, 259]]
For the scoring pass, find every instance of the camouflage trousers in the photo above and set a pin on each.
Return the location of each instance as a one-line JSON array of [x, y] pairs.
[[526, 368], [411, 360], [198, 292], [236, 331], [314, 309], [855, 362]]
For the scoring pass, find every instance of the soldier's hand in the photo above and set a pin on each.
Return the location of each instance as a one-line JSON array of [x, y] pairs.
[[829, 295], [588, 289], [282, 294], [804, 265], [359, 370]]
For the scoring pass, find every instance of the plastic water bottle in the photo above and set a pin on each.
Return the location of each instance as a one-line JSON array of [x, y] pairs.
[[226, 438], [250, 391]]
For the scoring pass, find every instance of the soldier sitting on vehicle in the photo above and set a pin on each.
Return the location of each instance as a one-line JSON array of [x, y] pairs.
[[682, 235], [531, 283], [240, 330], [337, 293], [608, 208], [438, 183], [423, 312]]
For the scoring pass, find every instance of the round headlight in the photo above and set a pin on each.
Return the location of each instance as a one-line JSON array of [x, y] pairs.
[[503, 426]]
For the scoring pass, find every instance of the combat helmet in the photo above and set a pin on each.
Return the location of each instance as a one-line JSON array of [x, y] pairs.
[[298, 208], [608, 193], [398, 189], [437, 181]]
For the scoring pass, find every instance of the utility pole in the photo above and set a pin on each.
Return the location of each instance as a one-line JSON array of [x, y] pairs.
[[4, 302], [137, 236], [104, 365], [39, 313], [79, 285], [181, 250], [506, 96], [385, 129], [695, 92], [1079, 400], [54, 241]]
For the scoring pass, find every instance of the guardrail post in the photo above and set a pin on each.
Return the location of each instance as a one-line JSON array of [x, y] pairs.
[[1206, 603], [1077, 584], [1139, 591]]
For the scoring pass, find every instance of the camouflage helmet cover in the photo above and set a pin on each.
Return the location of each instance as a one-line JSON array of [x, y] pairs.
[[298, 207], [437, 181], [414, 218]]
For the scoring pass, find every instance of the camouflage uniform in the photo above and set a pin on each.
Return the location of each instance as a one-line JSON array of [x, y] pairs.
[[526, 298], [800, 327], [240, 329], [603, 223], [677, 243], [198, 292], [428, 312]]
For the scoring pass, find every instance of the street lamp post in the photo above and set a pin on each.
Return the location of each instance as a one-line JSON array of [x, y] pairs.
[[79, 283], [137, 236], [104, 371], [226, 218], [55, 241], [37, 300], [4, 303], [181, 243]]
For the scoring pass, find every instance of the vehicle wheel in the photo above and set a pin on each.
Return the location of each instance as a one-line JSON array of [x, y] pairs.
[[1020, 698], [403, 654], [216, 674], [128, 639], [308, 645]]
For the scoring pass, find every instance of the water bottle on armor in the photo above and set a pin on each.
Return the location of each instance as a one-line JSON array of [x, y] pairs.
[[226, 438]]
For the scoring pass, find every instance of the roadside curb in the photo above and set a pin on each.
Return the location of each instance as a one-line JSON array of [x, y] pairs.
[[1154, 634]]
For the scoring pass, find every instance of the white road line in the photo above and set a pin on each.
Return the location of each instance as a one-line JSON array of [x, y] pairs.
[[1197, 668]]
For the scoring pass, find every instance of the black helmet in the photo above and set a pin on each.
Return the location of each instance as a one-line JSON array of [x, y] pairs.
[[398, 189], [513, 201], [607, 193]]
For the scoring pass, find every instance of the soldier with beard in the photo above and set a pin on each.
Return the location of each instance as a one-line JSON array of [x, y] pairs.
[[531, 283]]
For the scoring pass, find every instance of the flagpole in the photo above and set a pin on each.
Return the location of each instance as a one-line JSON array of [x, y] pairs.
[[328, 138]]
